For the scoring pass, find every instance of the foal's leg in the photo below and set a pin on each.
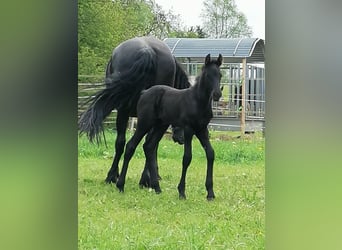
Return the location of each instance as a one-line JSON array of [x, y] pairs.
[[129, 151], [145, 180], [157, 165], [121, 126], [203, 137], [188, 134], [150, 149]]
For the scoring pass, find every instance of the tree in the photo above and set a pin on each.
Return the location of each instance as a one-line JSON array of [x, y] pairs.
[[165, 24], [200, 32], [221, 19], [102, 25], [169, 24]]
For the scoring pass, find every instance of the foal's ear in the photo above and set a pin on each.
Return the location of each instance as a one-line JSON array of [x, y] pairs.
[[219, 60], [207, 59]]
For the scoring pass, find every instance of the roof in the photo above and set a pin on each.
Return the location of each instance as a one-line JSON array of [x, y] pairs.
[[233, 50]]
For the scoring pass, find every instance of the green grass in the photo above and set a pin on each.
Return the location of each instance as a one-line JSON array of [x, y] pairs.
[[141, 219]]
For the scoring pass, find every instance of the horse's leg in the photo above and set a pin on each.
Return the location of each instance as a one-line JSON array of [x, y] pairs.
[[203, 137], [121, 125], [145, 180], [150, 149], [156, 157], [129, 151], [188, 134]]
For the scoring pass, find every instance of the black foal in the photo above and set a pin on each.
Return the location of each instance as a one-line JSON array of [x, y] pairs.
[[161, 106]]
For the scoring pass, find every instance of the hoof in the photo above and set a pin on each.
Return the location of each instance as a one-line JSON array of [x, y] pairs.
[[111, 179], [158, 190], [182, 196], [144, 181], [120, 187], [210, 198], [143, 184]]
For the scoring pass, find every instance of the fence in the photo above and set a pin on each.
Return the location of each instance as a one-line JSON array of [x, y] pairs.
[[87, 90], [229, 105]]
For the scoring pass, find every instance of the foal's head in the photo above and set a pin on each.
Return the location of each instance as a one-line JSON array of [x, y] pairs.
[[212, 76]]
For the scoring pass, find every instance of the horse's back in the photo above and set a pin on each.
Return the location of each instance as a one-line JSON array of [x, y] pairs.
[[160, 92], [131, 51], [128, 52], [166, 65], [153, 97], [164, 103]]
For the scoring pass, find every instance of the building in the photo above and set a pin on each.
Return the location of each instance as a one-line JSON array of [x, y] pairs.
[[242, 106]]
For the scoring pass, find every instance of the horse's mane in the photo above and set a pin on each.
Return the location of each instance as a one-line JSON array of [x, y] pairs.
[[181, 78]]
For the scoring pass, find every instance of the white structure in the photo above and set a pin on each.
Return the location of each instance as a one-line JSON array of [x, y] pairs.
[[242, 106]]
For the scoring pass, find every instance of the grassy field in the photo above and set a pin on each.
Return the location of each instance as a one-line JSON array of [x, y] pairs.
[[141, 219]]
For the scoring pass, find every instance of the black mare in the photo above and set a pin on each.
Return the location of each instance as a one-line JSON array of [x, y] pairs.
[[135, 65], [191, 109]]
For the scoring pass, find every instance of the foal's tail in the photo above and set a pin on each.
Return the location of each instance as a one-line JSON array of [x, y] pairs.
[[122, 91]]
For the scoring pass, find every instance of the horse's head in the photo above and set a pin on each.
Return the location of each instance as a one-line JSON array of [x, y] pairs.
[[212, 76]]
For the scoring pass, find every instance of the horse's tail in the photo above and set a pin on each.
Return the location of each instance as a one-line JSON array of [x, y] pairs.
[[122, 91]]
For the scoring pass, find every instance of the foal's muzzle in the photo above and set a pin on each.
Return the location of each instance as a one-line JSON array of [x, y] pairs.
[[217, 96], [178, 135]]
